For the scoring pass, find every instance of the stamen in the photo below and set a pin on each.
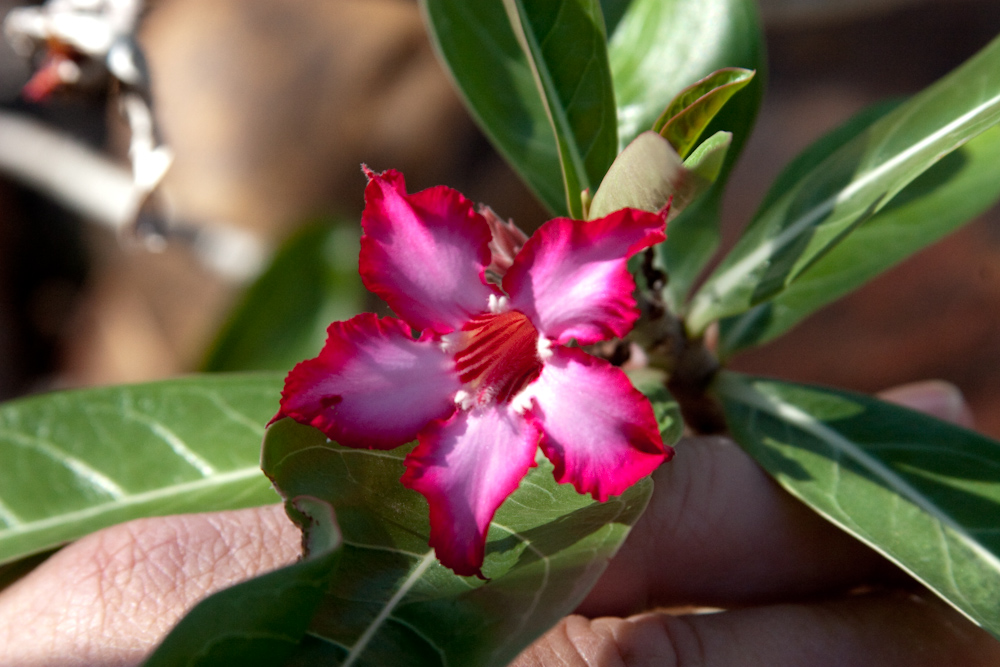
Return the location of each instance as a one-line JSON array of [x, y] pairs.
[[497, 356], [544, 348], [498, 304]]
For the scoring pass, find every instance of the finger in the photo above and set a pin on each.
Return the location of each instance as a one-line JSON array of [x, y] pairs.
[[883, 630], [108, 598], [935, 397], [718, 531]]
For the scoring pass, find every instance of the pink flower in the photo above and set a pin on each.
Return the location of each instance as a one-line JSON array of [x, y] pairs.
[[490, 377]]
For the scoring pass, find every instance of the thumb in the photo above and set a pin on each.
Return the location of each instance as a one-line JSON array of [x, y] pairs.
[[879, 629], [935, 397]]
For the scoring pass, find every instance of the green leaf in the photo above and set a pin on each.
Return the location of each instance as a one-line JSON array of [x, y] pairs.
[[613, 11], [921, 491], [504, 89], [962, 185], [259, 622], [391, 602], [75, 461], [282, 319], [814, 155], [708, 158], [687, 116], [659, 48], [850, 186], [565, 45], [742, 330], [645, 176], [476, 44], [653, 384]]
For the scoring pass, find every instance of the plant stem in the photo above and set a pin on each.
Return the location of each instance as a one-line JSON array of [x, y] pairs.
[[688, 363]]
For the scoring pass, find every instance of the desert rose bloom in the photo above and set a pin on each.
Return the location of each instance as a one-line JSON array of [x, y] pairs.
[[481, 374]]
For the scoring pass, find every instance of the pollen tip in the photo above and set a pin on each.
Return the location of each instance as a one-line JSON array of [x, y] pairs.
[[451, 342], [544, 348], [499, 304], [464, 399], [521, 403]]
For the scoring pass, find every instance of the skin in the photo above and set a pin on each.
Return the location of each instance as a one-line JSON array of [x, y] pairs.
[[718, 533]]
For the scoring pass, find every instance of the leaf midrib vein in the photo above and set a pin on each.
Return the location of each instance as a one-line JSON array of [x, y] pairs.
[[902, 488], [133, 499], [545, 575], [78, 467], [359, 646]]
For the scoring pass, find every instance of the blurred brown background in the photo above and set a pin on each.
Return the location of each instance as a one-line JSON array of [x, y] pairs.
[[271, 105]]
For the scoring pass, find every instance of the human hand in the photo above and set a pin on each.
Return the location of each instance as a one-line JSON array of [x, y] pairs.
[[718, 532], [109, 598]]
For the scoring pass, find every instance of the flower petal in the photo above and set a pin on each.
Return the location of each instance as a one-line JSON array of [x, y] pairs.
[[466, 467], [508, 239], [571, 277], [425, 254], [372, 385], [597, 429]]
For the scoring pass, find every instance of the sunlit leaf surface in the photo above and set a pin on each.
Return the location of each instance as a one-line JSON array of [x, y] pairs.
[[391, 602], [659, 48], [75, 461], [923, 492], [687, 116], [646, 175], [850, 186], [708, 158], [821, 149], [949, 194]]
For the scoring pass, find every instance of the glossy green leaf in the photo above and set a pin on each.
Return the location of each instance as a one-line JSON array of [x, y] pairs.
[[952, 192], [821, 149], [392, 603], [282, 319], [687, 116], [501, 88], [653, 384], [850, 186], [476, 44], [740, 331], [613, 11], [710, 155], [566, 48], [645, 176], [921, 491], [259, 622], [659, 48], [75, 461]]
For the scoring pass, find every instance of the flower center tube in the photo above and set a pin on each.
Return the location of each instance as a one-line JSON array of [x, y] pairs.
[[497, 357]]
